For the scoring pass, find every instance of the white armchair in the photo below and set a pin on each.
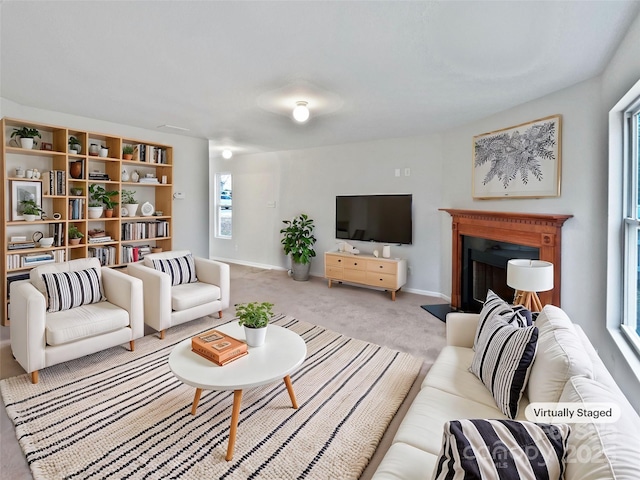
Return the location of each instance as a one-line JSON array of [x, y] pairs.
[[166, 304], [42, 337]]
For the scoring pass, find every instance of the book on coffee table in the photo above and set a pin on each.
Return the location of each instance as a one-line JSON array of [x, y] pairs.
[[218, 347]]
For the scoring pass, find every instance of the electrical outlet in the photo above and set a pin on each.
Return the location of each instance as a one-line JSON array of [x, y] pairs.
[[397, 172], [408, 270], [407, 172]]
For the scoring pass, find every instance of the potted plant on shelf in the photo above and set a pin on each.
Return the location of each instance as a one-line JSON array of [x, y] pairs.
[[129, 202], [100, 196], [127, 152], [75, 235], [254, 317], [74, 145], [31, 211], [298, 241], [26, 135]]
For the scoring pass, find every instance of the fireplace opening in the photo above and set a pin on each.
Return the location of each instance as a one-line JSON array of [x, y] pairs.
[[484, 267]]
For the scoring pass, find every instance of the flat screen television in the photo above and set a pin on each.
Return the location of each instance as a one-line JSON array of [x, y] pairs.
[[375, 218]]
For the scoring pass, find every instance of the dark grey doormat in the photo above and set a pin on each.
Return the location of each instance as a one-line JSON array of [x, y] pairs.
[[439, 310]]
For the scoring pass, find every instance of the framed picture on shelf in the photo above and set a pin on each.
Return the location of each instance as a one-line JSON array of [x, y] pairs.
[[518, 162], [20, 191]]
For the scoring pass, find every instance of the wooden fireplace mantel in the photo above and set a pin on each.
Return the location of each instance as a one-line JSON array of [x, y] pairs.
[[542, 231]]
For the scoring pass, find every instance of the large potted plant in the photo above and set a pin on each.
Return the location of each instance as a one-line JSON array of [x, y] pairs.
[[129, 202], [26, 135], [298, 241], [100, 196], [255, 318], [31, 211]]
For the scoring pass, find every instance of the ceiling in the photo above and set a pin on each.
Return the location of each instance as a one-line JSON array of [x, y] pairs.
[[232, 71]]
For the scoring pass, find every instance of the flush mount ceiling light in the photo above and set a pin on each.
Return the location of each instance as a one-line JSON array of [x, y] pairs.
[[301, 112], [227, 154]]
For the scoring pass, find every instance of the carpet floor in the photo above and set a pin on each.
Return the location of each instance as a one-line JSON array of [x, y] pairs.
[[121, 414]]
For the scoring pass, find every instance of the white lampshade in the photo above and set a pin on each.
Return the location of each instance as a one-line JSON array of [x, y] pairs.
[[301, 112], [530, 275]]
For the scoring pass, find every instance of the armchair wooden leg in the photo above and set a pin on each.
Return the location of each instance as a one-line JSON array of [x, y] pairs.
[[132, 345], [220, 314], [34, 376], [161, 334]]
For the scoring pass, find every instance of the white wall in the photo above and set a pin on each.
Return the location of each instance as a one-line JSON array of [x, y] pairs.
[[307, 181], [190, 156]]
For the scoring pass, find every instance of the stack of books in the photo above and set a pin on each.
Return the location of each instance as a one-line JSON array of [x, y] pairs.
[[34, 259], [21, 245], [218, 347], [148, 180], [98, 176], [102, 239]]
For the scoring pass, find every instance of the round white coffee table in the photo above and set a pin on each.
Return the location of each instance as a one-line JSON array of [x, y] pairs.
[[282, 352]]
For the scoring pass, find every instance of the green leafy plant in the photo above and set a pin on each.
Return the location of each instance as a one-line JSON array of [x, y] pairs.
[[74, 232], [127, 150], [26, 132], [254, 314], [128, 197], [30, 207], [99, 196], [73, 141], [298, 239]]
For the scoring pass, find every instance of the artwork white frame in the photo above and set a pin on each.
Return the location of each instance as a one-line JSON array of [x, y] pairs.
[[523, 161], [20, 190]]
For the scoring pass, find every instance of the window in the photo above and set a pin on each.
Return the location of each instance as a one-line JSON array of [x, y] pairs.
[[223, 205], [631, 219]]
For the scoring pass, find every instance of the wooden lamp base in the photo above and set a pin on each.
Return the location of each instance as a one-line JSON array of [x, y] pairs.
[[529, 300]]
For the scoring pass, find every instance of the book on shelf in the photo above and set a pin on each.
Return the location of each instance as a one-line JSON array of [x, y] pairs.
[[56, 230], [20, 245], [218, 347], [103, 239], [54, 182]]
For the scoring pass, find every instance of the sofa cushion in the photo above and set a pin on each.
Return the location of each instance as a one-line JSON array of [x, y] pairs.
[[478, 449], [450, 373], [83, 322], [422, 425], [193, 294], [181, 269], [494, 305], [560, 356], [66, 290], [404, 462], [503, 357], [602, 450], [35, 275]]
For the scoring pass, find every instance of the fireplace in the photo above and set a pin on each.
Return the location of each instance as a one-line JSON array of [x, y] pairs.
[[484, 267], [507, 233]]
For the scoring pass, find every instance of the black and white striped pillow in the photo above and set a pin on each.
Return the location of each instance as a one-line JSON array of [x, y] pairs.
[[180, 269], [505, 449], [66, 290], [502, 360], [494, 305]]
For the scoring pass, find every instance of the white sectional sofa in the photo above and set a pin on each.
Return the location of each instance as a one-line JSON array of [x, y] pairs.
[[566, 368]]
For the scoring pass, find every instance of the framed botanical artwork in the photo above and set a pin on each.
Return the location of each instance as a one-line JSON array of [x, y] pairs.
[[518, 162], [20, 191]]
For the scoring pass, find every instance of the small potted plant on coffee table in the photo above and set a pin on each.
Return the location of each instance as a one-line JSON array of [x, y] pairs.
[[254, 317]]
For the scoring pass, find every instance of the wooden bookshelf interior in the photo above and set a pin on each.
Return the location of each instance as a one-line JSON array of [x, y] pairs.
[[52, 153]]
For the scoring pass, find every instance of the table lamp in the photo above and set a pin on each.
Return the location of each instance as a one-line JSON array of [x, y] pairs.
[[528, 277]]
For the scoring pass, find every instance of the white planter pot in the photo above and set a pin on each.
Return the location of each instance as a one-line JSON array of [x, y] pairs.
[[132, 208], [30, 218], [26, 143], [95, 212], [104, 152], [255, 336]]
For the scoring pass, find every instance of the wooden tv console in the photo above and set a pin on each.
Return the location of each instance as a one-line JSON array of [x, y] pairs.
[[366, 270]]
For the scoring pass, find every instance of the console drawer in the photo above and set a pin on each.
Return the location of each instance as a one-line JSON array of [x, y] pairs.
[[359, 276], [381, 280], [333, 260], [380, 266], [333, 272], [355, 263]]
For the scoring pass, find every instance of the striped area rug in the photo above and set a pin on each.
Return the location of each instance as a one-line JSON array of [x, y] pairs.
[[121, 414]]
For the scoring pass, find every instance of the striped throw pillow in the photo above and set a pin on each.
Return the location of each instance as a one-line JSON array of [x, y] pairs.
[[516, 315], [180, 269], [505, 449], [502, 360], [66, 290]]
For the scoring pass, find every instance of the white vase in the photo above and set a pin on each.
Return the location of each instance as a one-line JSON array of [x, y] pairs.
[[26, 143], [30, 218], [104, 152], [132, 208], [95, 212], [386, 251], [255, 336], [125, 176]]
